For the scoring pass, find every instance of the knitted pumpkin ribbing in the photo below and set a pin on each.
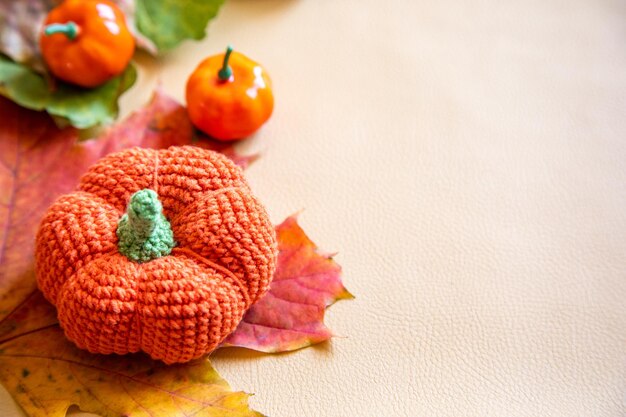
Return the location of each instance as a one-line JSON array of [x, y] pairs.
[[104, 262]]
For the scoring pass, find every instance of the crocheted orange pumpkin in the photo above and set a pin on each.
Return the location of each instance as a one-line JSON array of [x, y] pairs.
[[158, 250]]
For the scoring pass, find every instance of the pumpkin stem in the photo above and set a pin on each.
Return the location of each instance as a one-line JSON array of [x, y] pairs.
[[143, 231], [226, 72], [69, 29]]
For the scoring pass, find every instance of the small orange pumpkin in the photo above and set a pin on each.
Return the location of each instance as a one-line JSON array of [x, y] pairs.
[[161, 251]]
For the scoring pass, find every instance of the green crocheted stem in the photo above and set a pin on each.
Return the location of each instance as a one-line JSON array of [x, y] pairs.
[[144, 233]]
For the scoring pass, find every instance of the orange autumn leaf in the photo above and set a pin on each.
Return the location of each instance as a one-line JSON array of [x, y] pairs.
[[290, 316], [46, 374]]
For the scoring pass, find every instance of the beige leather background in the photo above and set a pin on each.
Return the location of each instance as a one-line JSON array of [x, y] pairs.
[[468, 161]]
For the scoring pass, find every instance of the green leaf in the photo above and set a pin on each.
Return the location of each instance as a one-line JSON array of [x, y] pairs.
[[83, 108], [169, 22]]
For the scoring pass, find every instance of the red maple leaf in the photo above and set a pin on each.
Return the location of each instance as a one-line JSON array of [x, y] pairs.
[[290, 316]]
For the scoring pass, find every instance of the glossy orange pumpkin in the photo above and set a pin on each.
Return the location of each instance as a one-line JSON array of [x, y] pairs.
[[229, 96], [86, 42]]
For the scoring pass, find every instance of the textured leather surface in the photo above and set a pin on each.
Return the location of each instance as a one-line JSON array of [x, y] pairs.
[[468, 160]]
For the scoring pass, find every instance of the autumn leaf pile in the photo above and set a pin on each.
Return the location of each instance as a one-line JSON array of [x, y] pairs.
[[45, 373]]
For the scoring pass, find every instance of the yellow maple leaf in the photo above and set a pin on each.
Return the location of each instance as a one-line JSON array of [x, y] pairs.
[[46, 374]]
